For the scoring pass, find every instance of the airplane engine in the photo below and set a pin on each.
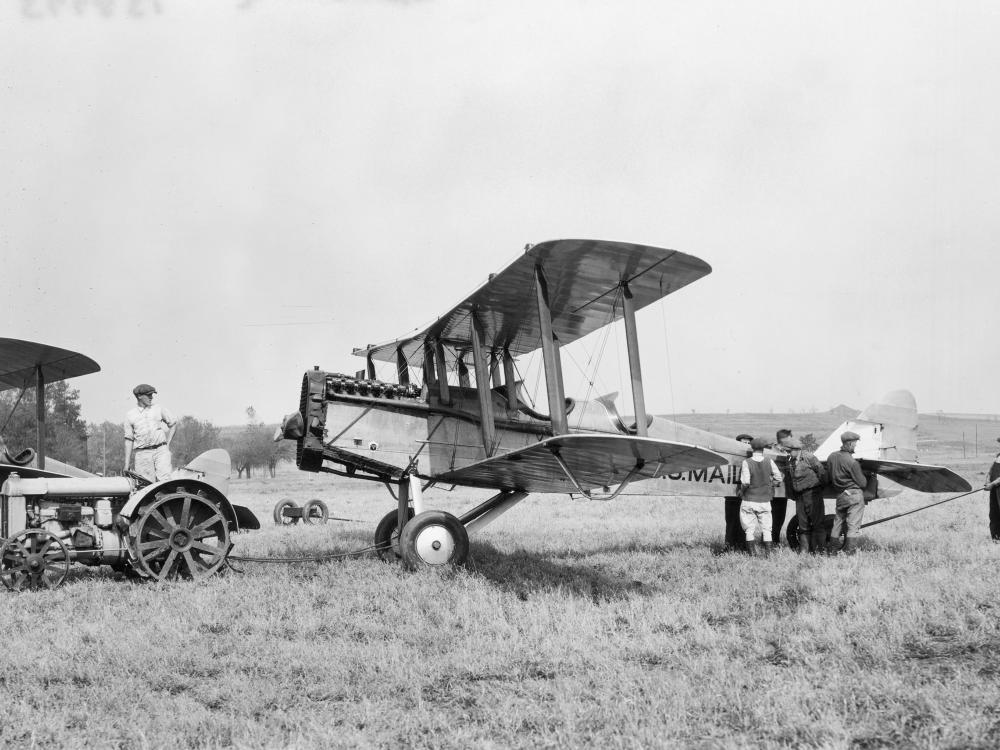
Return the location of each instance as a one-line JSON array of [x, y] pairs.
[[307, 426]]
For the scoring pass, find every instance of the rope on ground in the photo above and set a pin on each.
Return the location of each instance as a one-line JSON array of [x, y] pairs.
[[309, 558]]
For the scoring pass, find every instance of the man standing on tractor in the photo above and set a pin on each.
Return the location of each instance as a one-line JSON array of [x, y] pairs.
[[148, 431]]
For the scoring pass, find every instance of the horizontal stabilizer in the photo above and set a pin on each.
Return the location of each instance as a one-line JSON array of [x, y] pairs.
[[920, 477], [572, 463]]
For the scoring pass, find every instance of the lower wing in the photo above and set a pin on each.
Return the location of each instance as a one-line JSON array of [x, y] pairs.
[[574, 463]]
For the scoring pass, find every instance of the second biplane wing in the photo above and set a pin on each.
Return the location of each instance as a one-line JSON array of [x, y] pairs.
[[580, 463], [21, 361], [914, 476], [584, 279]]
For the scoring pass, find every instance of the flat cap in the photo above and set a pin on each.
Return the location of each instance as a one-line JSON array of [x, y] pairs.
[[849, 436], [743, 436], [758, 444], [143, 389]]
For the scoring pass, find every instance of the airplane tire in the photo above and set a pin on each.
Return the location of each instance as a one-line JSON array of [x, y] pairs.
[[432, 540], [387, 536], [792, 530], [315, 511], [279, 513]]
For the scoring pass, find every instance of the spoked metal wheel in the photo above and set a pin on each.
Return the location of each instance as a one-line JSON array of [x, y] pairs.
[[180, 534], [434, 539], [33, 559]]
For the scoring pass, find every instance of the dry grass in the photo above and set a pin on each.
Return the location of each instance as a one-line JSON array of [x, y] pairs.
[[575, 624]]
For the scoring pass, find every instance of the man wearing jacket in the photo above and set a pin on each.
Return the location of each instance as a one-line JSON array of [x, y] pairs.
[[807, 475], [849, 482]]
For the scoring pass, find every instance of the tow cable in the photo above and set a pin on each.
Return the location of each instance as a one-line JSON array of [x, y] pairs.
[[923, 507], [307, 558]]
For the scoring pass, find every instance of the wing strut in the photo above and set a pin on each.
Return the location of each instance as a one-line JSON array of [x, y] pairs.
[[402, 368], [442, 373], [486, 423], [632, 340], [550, 357], [40, 411]]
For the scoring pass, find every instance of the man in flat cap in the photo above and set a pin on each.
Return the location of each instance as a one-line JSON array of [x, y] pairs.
[[849, 482], [779, 505], [759, 475], [148, 431]]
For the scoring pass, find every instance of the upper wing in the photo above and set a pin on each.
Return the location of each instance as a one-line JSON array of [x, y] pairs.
[[593, 460], [20, 360], [583, 279], [920, 477]]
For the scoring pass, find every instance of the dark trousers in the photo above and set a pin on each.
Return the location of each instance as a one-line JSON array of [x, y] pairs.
[[735, 538], [778, 507], [994, 514], [809, 510]]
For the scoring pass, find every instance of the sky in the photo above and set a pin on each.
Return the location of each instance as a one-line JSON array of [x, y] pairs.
[[213, 197]]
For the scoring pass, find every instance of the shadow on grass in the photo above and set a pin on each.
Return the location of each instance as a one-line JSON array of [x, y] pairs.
[[524, 573]]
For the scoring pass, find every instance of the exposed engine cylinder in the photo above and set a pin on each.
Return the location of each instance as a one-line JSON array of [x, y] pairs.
[[307, 426]]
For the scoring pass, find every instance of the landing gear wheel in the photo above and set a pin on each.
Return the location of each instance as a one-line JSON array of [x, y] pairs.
[[792, 530], [387, 536], [434, 539], [33, 559], [279, 513], [180, 534], [315, 511], [792, 533]]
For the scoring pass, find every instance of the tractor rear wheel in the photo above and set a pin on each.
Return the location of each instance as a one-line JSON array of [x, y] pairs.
[[180, 534]]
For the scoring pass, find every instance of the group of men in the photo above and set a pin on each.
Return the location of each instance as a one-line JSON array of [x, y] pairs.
[[758, 511]]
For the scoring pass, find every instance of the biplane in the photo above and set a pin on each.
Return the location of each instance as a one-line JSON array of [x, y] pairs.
[[464, 419]]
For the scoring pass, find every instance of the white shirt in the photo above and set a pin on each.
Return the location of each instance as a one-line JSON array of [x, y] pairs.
[[148, 426], [758, 457]]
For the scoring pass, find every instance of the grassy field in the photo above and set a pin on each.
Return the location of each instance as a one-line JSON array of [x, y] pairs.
[[575, 624]]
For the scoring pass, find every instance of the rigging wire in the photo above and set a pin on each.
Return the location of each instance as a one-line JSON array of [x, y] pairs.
[[596, 356]]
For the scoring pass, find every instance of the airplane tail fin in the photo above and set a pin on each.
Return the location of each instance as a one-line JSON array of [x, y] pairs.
[[888, 448], [888, 430]]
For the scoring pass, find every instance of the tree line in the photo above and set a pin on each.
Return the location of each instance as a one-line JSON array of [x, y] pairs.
[[100, 447]]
